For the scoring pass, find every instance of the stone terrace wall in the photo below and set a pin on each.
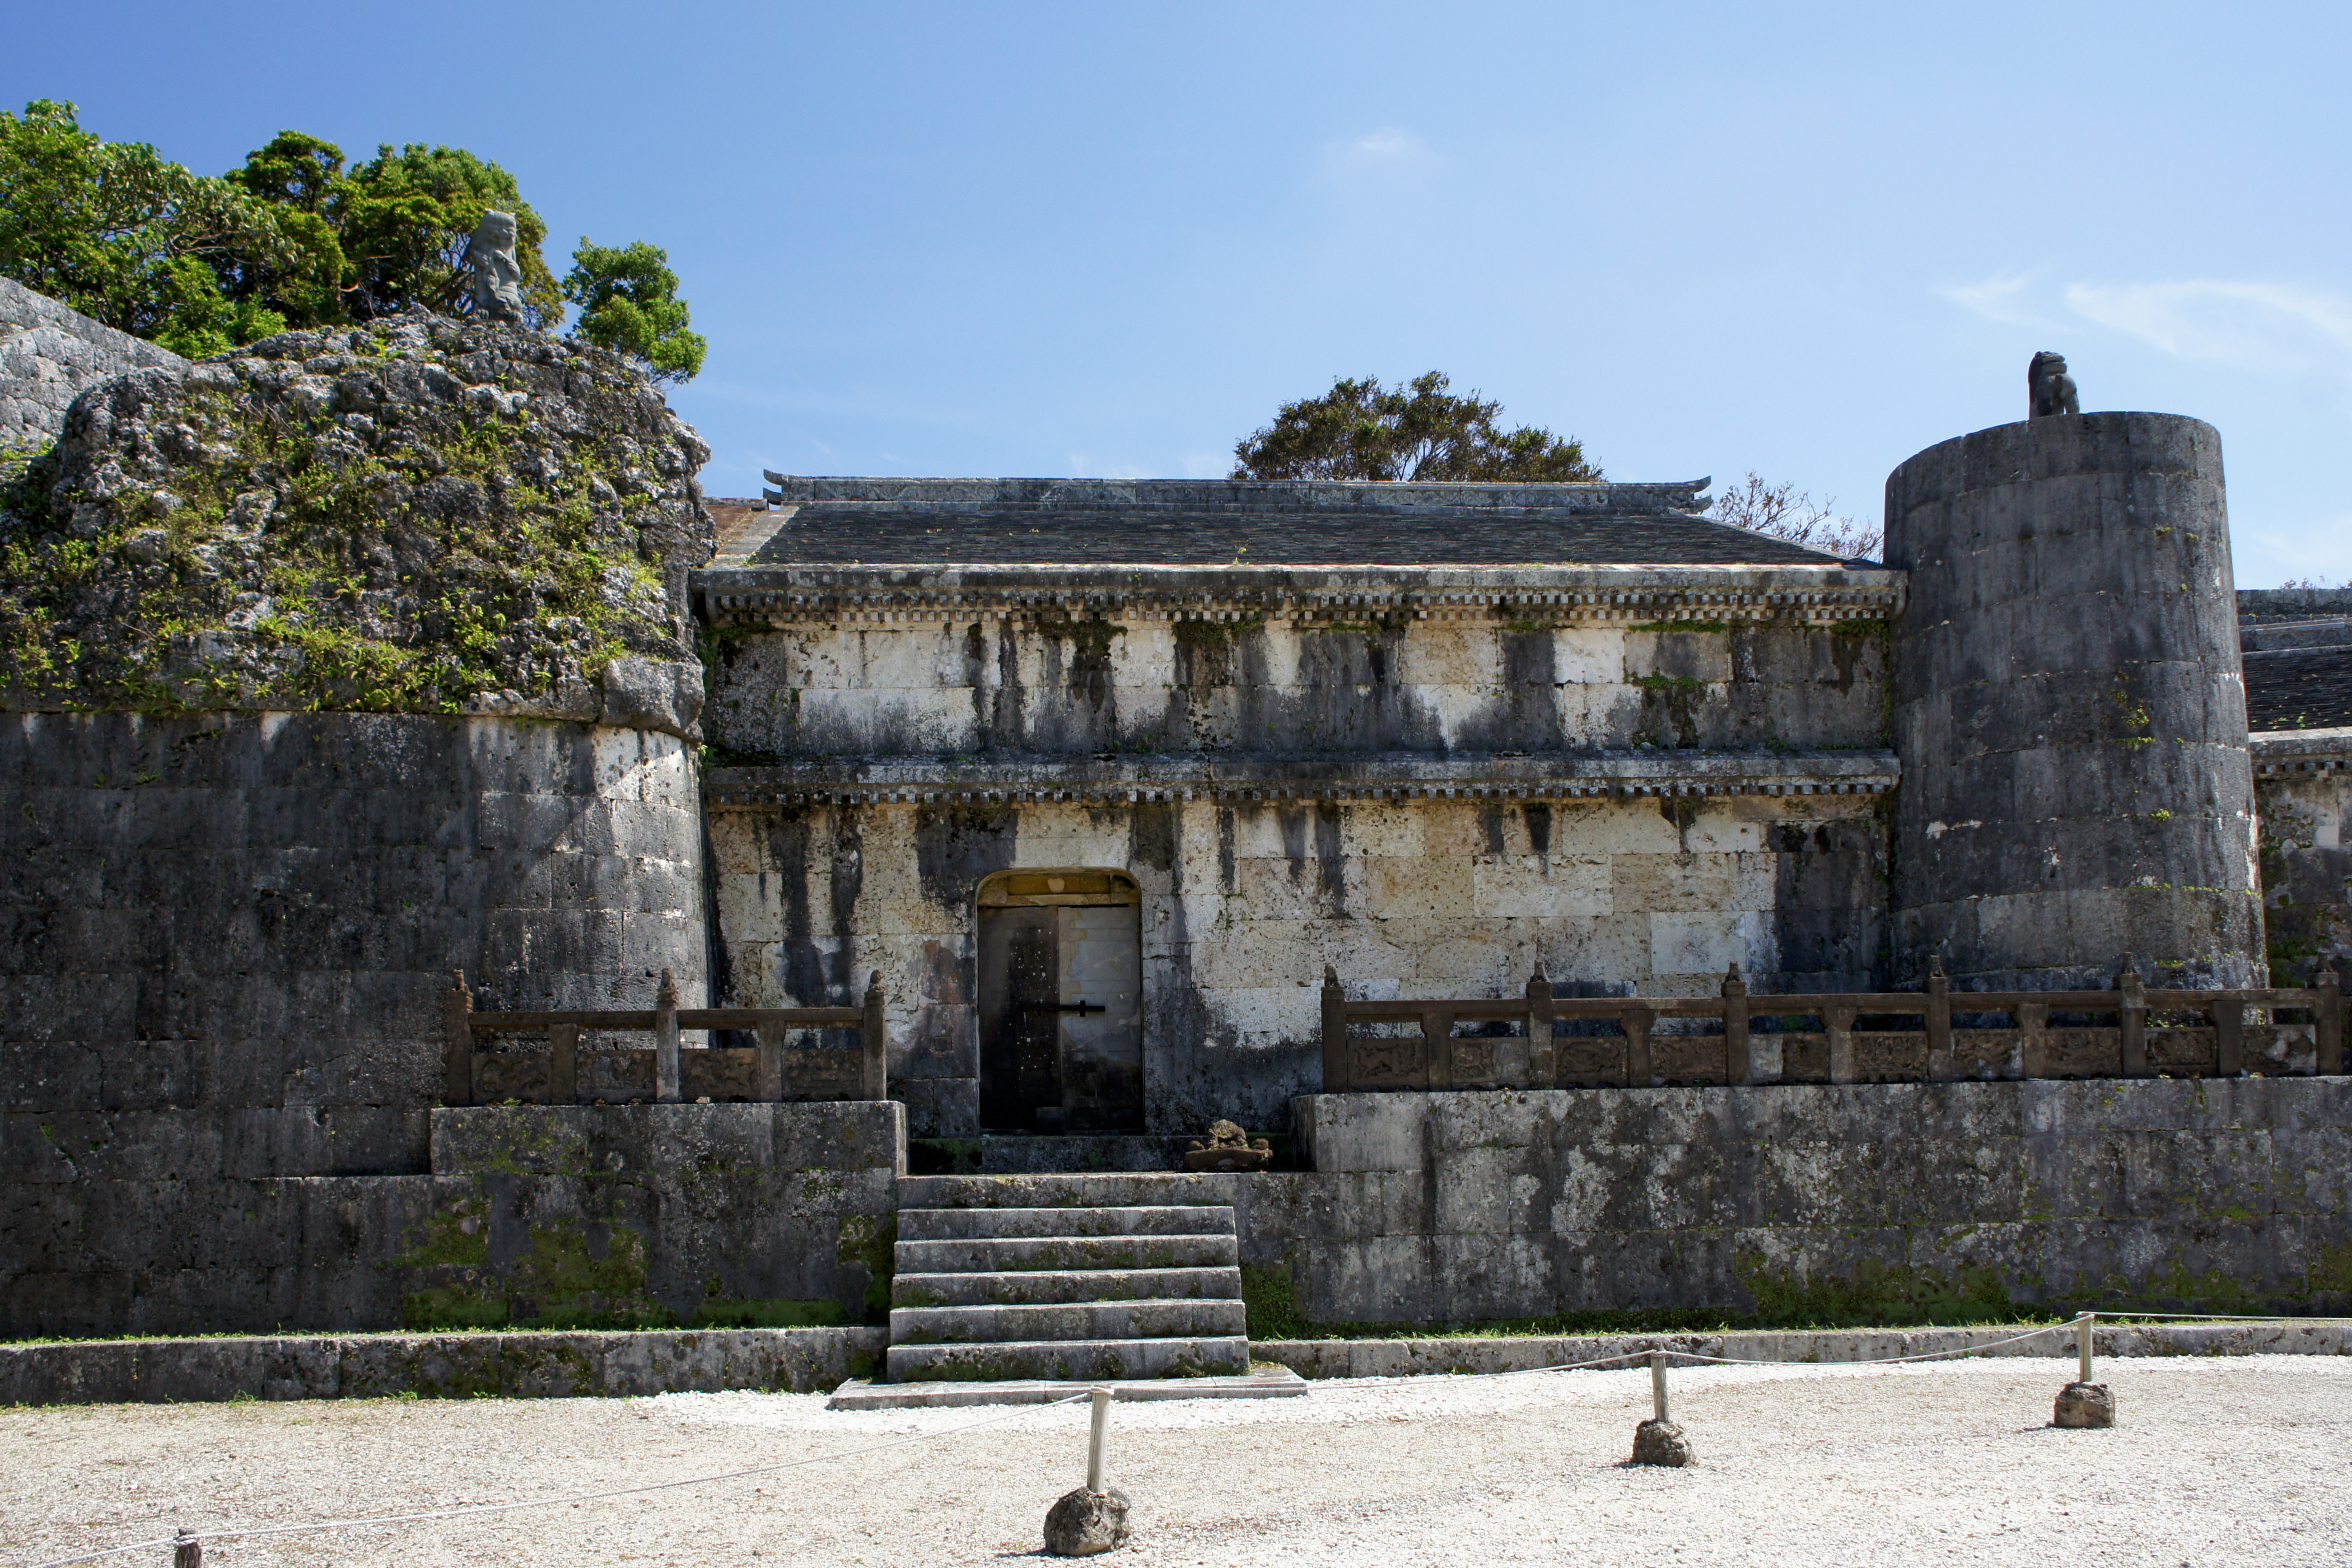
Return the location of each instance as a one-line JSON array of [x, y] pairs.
[[1244, 903], [49, 353], [585, 1216], [223, 943], [1920, 1202], [2303, 784]]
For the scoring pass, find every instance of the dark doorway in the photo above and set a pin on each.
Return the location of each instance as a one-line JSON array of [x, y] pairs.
[[1061, 987]]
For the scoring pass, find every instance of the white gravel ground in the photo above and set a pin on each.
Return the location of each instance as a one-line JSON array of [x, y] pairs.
[[2239, 1461]]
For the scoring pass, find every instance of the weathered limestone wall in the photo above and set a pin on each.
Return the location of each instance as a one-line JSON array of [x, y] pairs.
[[2069, 708], [1047, 684], [2302, 781], [224, 943], [1243, 902], [585, 1216], [49, 353], [1919, 1202]]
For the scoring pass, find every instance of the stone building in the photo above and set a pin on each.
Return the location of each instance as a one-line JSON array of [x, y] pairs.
[[1101, 779], [1171, 747]]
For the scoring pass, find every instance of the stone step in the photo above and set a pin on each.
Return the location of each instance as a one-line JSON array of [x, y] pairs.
[[1261, 1383], [1004, 1254], [1120, 1189], [1199, 1318], [951, 1224], [1070, 1360], [961, 1290]]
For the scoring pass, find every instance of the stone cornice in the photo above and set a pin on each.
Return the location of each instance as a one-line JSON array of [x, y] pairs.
[[1606, 776], [2287, 754], [1559, 595]]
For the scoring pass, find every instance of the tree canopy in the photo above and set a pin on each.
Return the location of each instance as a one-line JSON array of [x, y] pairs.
[[1418, 430], [298, 237], [628, 302]]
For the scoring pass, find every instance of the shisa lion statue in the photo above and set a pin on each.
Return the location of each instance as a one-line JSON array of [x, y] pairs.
[[497, 276], [2049, 390], [1228, 1149]]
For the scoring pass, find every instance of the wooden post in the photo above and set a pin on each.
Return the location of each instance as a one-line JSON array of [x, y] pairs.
[[2330, 1025], [1335, 1034], [1636, 1022], [457, 1039], [562, 1063], [1839, 1022], [1939, 1021], [2034, 1050], [1437, 1049], [2228, 1036], [1739, 1060], [768, 1064], [1658, 1385], [2133, 1015], [874, 1077], [1543, 1052], [665, 1087]]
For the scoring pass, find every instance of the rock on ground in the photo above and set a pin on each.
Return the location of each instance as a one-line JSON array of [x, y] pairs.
[[1081, 1523]]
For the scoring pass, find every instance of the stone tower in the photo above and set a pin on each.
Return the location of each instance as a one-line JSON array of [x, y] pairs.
[[2069, 709]]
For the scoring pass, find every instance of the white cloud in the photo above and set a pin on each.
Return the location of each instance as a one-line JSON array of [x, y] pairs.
[[2000, 298], [2262, 325]]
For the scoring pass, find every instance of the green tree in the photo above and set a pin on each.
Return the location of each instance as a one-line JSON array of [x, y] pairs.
[[628, 302], [122, 233], [404, 218], [1362, 430]]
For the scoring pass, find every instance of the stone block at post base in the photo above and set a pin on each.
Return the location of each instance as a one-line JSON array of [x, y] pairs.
[[1082, 1524], [1659, 1442], [2084, 1404]]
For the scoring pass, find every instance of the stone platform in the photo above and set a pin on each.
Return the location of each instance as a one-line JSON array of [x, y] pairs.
[[1261, 1383]]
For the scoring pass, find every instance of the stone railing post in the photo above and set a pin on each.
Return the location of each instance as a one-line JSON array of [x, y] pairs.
[[1939, 1021], [2330, 1024], [1437, 1048], [874, 1074], [1543, 1052], [1335, 1034], [562, 1063], [1839, 1024], [1739, 1056], [665, 1084], [2228, 1036], [2133, 1015], [458, 1041], [2033, 1049], [768, 1063], [1636, 1022]]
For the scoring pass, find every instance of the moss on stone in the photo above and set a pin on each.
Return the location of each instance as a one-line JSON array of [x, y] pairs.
[[437, 518]]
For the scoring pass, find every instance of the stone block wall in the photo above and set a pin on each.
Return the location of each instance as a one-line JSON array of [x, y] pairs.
[[2303, 787], [1912, 1202], [49, 353], [1244, 903], [585, 1216], [223, 943]]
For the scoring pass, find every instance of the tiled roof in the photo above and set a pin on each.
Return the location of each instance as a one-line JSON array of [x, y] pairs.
[[878, 521]]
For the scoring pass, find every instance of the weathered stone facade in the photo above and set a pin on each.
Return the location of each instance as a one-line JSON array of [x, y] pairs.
[[1099, 776], [49, 353]]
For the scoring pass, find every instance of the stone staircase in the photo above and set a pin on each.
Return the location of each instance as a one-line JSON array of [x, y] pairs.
[[1066, 1276]]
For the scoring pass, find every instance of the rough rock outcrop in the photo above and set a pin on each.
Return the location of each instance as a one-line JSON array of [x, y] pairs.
[[49, 352], [421, 515]]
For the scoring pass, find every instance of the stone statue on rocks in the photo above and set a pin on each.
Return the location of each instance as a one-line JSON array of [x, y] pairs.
[[497, 276], [2049, 387]]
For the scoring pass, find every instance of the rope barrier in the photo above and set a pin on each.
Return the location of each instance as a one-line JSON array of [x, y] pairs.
[[1654, 1357], [258, 1531]]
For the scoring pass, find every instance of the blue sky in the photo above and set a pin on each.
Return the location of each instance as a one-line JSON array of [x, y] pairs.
[[1111, 238]]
